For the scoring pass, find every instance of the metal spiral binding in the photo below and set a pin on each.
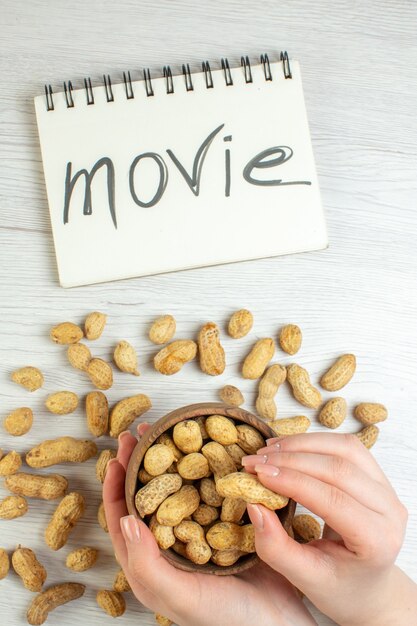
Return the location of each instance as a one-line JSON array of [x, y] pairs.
[[167, 74], [68, 95], [245, 63], [168, 77], [128, 86]]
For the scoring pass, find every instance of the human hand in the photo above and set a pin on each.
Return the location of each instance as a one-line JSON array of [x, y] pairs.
[[349, 574], [188, 598]]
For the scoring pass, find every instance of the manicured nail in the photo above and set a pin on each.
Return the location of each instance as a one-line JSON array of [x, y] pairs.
[[256, 516], [250, 459], [274, 441], [111, 462], [131, 528], [267, 470], [269, 449]]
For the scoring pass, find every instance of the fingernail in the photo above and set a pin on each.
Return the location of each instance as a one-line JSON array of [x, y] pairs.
[[256, 516], [274, 441], [131, 528], [250, 459], [111, 462], [267, 470], [269, 449], [123, 434]]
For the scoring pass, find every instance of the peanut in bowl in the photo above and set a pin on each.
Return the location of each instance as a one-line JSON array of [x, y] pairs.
[[185, 460]]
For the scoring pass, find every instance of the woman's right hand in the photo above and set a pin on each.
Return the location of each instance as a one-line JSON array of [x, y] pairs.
[[349, 574]]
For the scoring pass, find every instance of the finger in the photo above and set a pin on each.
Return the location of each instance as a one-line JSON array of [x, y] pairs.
[[275, 547], [115, 508], [345, 445], [333, 470], [151, 569], [335, 507], [127, 443], [142, 428]]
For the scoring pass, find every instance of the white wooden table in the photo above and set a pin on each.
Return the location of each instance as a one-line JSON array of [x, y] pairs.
[[358, 60]]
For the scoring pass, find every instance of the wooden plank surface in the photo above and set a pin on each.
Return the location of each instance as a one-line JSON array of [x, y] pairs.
[[359, 295]]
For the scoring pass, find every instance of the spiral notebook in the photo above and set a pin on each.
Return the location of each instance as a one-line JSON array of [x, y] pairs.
[[179, 171]]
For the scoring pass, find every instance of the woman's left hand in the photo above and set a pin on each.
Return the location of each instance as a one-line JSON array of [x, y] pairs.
[[257, 595]]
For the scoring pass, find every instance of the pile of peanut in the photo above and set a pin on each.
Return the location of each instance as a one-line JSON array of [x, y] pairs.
[[192, 492], [194, 496]]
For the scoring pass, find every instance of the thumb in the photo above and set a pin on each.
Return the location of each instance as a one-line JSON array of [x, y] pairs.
[[146, 564], [298, 563]]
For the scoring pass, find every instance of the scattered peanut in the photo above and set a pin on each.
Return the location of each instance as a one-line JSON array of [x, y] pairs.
[[306, 528], [126, 411], [178, 506], [101, 465], [45, 487], [66, 333], [49, 600], [10, 463], [212, 357], [333, 413], [126, 358], [170, 359], [187, 436], [94, 325], [112, 602], [162, 330], [19, 421], [29, 377], [62, 402], [27, 566], [162, 620], [66, 515], [149, 497], [371, 413], [100, 374], [196, 548], [97, 411], [290, 425], [120, 583], [339, 374], [79, 356], [4, 563], [290, 339], [368, 435], [81, 559], [268, 387], [61, 450], [12, 507], [101, 516], [240, 323], [258, 358], [230, 394], [303, 390], [248, 487]]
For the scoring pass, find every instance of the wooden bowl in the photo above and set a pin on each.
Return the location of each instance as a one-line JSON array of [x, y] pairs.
[[132, 483]]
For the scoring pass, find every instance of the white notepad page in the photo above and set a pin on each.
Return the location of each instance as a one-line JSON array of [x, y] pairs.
[[148, 147]]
